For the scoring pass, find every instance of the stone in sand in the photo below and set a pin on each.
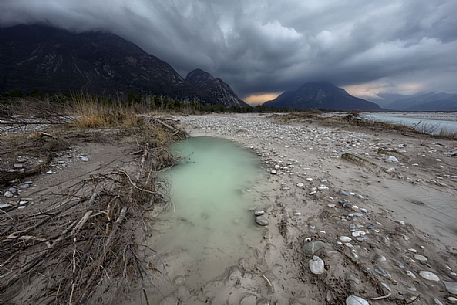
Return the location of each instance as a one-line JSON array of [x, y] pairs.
[[382, 272], [420, 258], [84, 158], [345, 239], [4, 205], [261, 221], [358, 233], [8, 194], [259, 212], [316, 265], [410, 274], [310, 248], [355, 300], [429, 276], [451, 287], [392, 159], [380, 258], [437, 302]]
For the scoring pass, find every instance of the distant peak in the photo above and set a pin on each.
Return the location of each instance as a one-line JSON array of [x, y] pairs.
[[198, 73], [320, 95], [198, 70]]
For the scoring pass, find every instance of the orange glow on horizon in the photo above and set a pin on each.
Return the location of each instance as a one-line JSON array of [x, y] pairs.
[[372, 90], [364, 90], [261, 97]]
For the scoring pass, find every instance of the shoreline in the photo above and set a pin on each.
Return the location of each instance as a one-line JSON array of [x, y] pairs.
[[376, 222], [393, 208]]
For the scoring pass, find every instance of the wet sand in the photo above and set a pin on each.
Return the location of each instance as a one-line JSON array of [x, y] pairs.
[[400, 216]]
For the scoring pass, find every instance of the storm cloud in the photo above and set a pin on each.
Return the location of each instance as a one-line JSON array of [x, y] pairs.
[[271, 46]]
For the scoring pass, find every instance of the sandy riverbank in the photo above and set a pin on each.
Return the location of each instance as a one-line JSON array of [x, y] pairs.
[[400, 216], [376, 206]]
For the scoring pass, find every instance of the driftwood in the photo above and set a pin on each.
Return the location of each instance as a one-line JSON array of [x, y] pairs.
[[176, 131], [77, 243]]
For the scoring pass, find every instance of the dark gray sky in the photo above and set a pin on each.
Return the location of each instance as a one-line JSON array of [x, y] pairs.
[[270, 46]]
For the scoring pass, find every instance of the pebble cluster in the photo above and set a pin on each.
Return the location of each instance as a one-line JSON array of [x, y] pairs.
[[12, 195], [391, 158]]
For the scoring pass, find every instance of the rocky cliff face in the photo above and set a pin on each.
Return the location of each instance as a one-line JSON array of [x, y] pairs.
[[48, 59], [320, 95], [39, 57], [213, 90]]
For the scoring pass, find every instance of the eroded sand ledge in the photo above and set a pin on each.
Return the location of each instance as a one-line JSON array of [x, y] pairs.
[[400, 216]]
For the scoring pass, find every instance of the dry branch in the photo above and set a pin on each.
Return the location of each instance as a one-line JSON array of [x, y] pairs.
[[83, 237]]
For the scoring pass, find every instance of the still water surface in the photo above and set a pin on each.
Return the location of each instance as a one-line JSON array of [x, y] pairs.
[[431, 122], [209, 227]]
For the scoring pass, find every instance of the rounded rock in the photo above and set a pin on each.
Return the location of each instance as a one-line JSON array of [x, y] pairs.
[[410, 274], [420, 258], [380, 258], [358, 233], [345, 239], [259, 212], [5, 205], [312, 247], [8, 194], [429, 276], [261, 221], [392, 159], [437, 302], [355, 300], [316, 265], [451, 287]]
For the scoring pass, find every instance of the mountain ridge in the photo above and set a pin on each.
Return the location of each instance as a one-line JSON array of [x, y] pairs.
[[45, 58], [320, 95], [425, 101], [212, 88]]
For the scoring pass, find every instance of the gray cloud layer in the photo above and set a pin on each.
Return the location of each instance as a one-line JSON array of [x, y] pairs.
[[271, 45]]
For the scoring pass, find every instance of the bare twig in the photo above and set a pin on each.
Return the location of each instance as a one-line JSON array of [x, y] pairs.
[[135, 186]]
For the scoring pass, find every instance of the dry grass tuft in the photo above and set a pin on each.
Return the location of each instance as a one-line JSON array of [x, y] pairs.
[[297, 116], [91, 112], [83, 245]]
